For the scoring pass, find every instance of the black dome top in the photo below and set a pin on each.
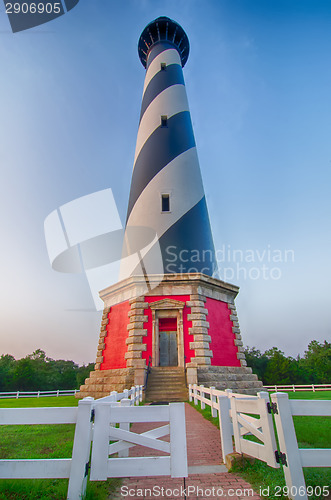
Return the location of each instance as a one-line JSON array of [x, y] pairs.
[[160, 30]]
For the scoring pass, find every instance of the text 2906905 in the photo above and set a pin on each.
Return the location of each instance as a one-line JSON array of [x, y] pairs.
[[33, 8]]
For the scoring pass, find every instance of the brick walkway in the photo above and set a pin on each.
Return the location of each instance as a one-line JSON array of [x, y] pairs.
[[208, 477]]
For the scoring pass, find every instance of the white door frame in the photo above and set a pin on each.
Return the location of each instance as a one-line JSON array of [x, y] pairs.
[[167, 308]]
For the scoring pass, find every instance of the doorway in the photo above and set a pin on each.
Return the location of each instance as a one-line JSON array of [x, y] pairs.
[[168, 342]]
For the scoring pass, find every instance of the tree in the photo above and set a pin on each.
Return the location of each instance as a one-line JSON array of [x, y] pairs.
[[256, 360], [273, 367], [83, 373], [65, 373], [317, 362], [7, 363], [37, 372], [38, 355], [278, 367], [25, 376]]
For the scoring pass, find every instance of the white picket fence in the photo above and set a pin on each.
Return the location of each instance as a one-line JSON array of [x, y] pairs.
[[297, 388], [38, 394], [115, 409], [231, 409], [293, 457], [235, 419], [135, 395], [74, 468], [69, 468]]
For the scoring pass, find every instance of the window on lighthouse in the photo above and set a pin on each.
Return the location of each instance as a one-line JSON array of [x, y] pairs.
[[165, 202], [164, 121], [163, 66]]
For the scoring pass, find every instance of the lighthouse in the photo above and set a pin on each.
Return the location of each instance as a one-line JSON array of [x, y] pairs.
[[167, 193], [171, 312]]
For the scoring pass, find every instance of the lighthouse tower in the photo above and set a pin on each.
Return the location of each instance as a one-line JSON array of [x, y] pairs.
[[167, 194], [170, 311]]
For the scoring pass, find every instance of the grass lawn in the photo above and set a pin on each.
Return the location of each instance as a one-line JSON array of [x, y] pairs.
[[42, 441], [311, 432], [309, 395], [38, 402]]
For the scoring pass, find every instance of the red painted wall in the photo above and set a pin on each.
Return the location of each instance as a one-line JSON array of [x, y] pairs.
[[186, 325], [220, 330], [222, 337], [117, 333]]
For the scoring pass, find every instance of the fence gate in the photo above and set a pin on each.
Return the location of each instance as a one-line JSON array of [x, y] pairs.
[[260, 426], [112, 435]]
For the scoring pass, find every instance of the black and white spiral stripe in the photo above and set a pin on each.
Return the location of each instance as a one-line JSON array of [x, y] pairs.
[[166, 162]]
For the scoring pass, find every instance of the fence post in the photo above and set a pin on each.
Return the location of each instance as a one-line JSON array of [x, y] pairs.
[[313, 387], [267, 428], [228, 393], [114, 396], [202, 395], [190, 393], [81, 450], [133, 395], [178, 450], [17, 394], [213, 399], [38, 394], [126, 427], [289, 446], [225, 425], [141, 393], [57, 393], [99, 460], [235, 424], [195, 394]]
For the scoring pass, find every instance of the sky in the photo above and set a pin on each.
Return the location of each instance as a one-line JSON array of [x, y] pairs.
[[258, 80]]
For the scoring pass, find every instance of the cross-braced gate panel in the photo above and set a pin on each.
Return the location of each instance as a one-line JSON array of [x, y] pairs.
[[107, 415], [262, 428]]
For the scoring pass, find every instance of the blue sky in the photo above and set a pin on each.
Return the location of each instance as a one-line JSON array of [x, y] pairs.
[[258, 80]]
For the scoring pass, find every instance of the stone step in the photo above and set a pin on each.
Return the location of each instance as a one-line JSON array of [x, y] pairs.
[[168, 372], [231, 381], [171, 377], [239, 379], [170, 388], [167, 389], [158, 376], [239, 386], [161, 369], [173, 385], [169, 392], [209, 377], [166, 384], [165, 367], [163, 396], [166, 399], [224, 369], [154, 381]]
